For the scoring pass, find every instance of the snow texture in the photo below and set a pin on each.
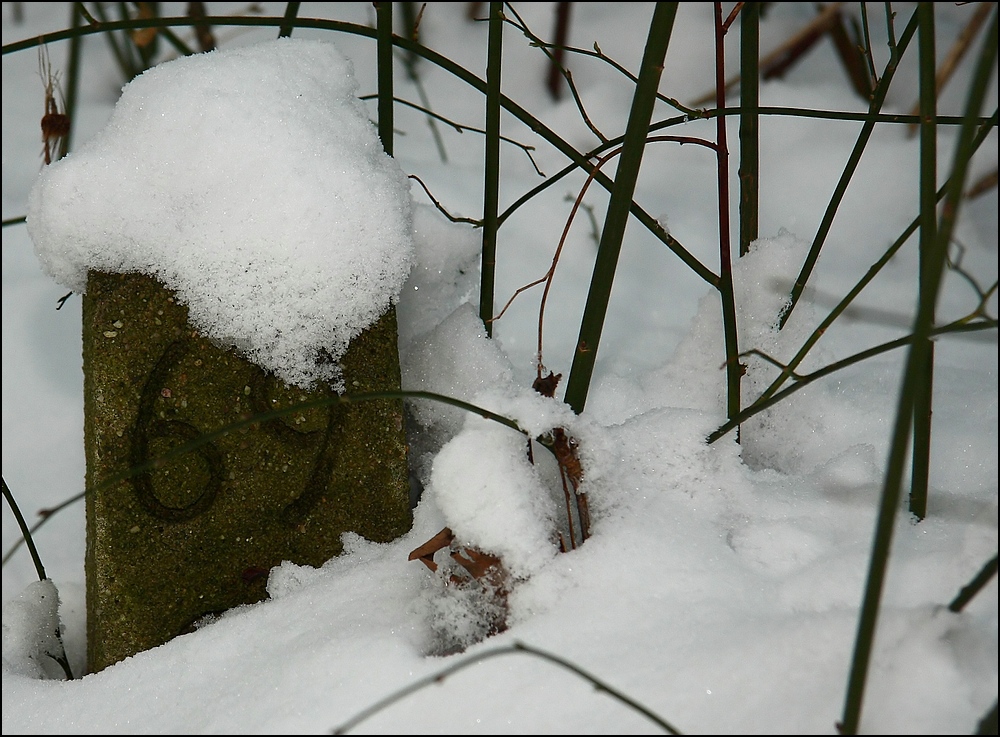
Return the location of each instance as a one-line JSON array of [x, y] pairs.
[[251, 182]]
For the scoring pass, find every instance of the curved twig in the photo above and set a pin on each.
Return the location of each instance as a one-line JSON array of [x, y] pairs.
[[440, 207], [25, 532], [536, 41], [515, 649]]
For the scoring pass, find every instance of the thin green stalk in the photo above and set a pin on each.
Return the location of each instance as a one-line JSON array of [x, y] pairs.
[[924, 390], [383, 53], [734, 369], [60, 655], [174, 40], [147, 51], [128, 48], [72, 78], [872, 72], [878, 98], [916, 361], [411, 22], [749, 171], [25, 532], [872, 272], [803, 380], [621, 202], [817, 114], [202, 31], [556, 68], [291, 12], [988, 724], [890, 25], [669, 241], [969, 591], [491, 187], [119, 51], [922, 410]]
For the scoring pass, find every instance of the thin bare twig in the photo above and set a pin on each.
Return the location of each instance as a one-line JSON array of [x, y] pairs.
[[514, 649], [461, 127], [440, 207], [548, 276], [557, 63]]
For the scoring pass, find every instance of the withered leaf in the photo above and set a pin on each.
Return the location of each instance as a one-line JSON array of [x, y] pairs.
[[480, 565], [546, 385], [425, 553]]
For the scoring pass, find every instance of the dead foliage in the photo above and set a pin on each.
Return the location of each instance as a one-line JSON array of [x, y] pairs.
[[474, 568], [55, 122]]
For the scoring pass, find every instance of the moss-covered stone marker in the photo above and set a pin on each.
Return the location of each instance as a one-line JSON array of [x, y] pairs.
[[169, 546]]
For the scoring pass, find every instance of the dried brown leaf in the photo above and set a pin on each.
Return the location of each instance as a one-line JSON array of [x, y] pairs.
[[425, 553]]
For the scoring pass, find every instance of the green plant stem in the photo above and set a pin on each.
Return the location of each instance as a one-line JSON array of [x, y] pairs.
[[119, 51], [599, 295], [411, 22], [668, 240], [734, 370], [872, 72], [491, 186], [878, 98], [174, 40], [803, 380], [872, 272], [969, 591], [25, 532], [988, 724], [890, 25], [60, 656], [383, 52], [596, 53], [72, 78], [924, 389], [916, 361], [749, 171], [147, 51], [291, 12], [794, 112]]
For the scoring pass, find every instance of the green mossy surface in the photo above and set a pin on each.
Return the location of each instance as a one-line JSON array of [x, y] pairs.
[[198, 534]]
